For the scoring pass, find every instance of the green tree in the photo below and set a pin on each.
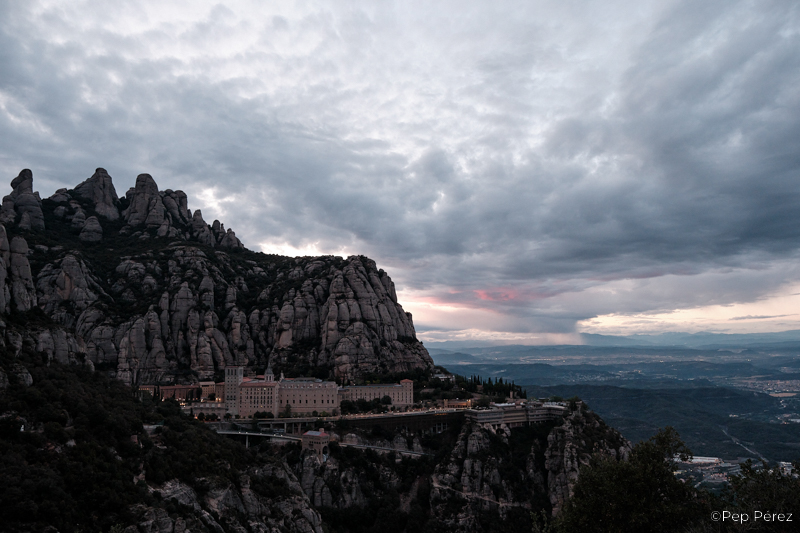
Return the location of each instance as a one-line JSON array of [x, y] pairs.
[[765, 490], [640, 494]]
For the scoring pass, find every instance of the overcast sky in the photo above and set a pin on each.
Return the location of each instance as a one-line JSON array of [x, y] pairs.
[[523, 170]]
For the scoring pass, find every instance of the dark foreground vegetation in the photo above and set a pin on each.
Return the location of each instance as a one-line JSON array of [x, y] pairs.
[[74, 453], [79, 452], [643, 495]]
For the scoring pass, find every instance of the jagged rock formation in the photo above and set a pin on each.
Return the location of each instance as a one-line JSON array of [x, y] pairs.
[[477, 473], [17, 292], [23, 206], [228, 507], [339, 484], [100, 191], [19, 372], [91, 231], [472, 480], [570, 446], [178, 294], [486, 478]]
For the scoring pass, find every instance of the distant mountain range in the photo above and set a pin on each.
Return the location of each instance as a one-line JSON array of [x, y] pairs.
[[703, 339], [713, 388]]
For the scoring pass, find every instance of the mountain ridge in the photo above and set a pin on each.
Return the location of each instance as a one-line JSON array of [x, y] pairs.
[[142, 287], [701, 339]]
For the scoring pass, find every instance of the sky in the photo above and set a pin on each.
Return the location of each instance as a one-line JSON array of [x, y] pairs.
[[525, 171]]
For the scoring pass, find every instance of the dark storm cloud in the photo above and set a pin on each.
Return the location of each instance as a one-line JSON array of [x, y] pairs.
[[515, 159]]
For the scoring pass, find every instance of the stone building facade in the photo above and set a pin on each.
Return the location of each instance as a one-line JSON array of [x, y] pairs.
[[511, 415], [297, 396], [306, 396], [257, 396], [317, 441], [300, 396], [402, 394]]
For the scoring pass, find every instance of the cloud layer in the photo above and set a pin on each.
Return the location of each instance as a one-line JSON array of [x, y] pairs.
[[519, 167]]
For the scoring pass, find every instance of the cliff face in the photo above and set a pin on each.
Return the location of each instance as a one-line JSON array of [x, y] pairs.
[[525, 469], [232, 507], [571, 445], [143, 287], [474, 480]]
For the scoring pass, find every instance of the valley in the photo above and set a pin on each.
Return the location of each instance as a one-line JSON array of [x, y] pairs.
[[735, 400]]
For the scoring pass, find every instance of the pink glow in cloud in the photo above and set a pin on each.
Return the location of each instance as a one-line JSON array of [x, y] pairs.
[[519, 295], [495, 295], [486, 298]]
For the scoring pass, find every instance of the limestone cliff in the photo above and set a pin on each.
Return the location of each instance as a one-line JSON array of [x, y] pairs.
[[571, 445], [474, 479], [144, 288], [527, 468], [232, 507], [23, 206]]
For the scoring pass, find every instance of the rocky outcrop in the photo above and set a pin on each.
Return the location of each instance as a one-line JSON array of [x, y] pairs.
[[60, 346], [571, 445], [229, 507], [60, 196], [349, 312], [476, 476], [23, 291], [92, 230], [229, 240], [488, 476], [483, 476], [167, 212], [178, 293], [145, 204], [5, 263], [177, 206], [65, 288], [343, 484], [17, 372], [23, 207], [100, 190], [200, 230], [184, 327]]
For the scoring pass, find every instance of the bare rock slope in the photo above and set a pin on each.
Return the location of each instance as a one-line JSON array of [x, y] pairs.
[[142, 287]]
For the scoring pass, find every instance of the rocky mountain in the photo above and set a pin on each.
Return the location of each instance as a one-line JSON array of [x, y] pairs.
[[80, 452], [231, 506], [143, 288], [99, 292], [474, 479]]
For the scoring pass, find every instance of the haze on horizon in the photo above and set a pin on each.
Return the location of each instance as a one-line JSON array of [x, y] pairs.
[[523, 170]]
